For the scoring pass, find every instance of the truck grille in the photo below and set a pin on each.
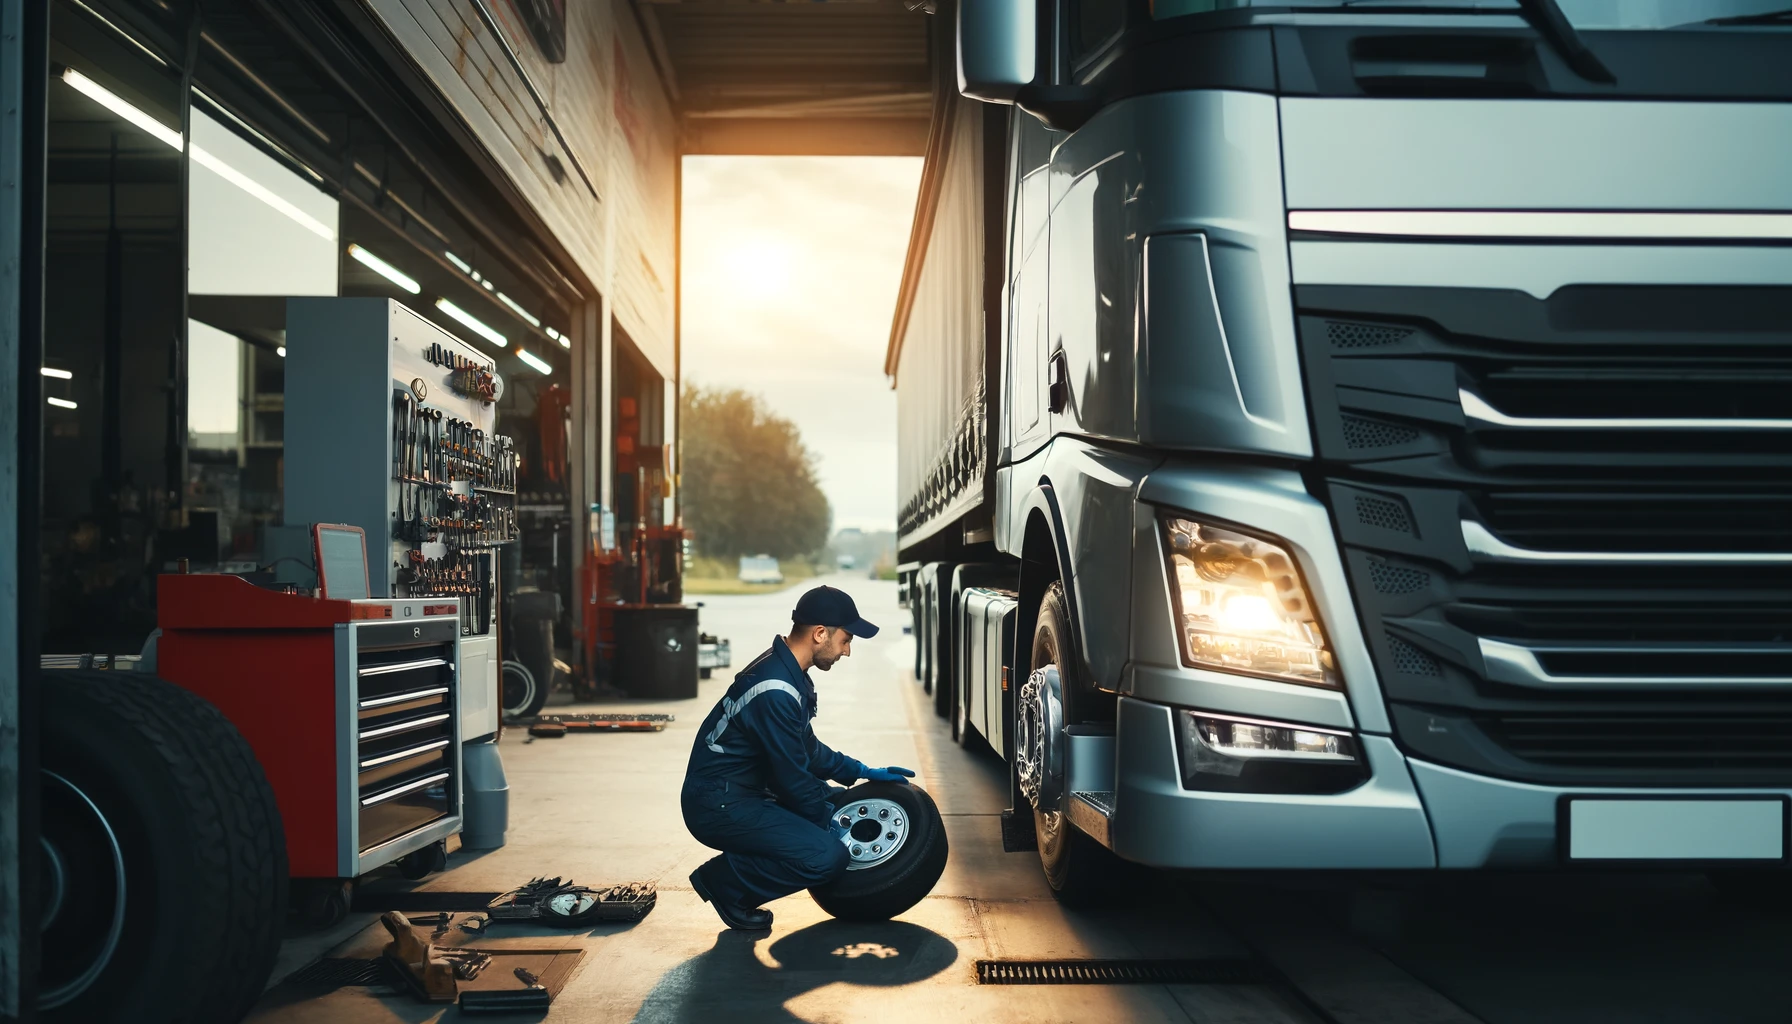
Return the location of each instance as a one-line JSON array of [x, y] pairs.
[[1555, 512]]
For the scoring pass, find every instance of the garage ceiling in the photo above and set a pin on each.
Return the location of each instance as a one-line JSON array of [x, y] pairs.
[[829, 77]]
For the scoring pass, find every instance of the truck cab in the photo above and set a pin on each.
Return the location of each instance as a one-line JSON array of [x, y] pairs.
[[1369, 446]]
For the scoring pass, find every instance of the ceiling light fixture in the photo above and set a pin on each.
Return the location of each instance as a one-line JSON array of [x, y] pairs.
[[172, 138], [472, 323], [534, 321], [51, 371], [541, 366], [384, 269], [62, 403]]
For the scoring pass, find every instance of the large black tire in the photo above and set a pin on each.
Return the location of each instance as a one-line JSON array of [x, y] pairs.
[[150, 789], [1079, 870], [881, 892], [521, 694]]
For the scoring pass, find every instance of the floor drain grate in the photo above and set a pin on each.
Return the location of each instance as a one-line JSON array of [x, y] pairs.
[[1227, 970], [343, 972]]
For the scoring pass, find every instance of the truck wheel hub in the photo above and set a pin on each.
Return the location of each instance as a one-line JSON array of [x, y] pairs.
[[1039, 757], [875, 829], [84, 908]]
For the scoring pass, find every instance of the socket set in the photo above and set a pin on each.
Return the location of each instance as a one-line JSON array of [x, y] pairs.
[[455, 502]]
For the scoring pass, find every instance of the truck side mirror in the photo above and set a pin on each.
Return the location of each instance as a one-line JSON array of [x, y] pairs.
[[998, 43]]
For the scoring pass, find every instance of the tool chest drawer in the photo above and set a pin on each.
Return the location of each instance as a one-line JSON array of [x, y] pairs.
[[396, 810], [406, 764]]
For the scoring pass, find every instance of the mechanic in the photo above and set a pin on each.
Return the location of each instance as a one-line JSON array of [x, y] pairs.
[[754, 788]]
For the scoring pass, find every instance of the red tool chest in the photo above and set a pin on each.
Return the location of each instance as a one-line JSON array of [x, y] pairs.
[[350, 706]]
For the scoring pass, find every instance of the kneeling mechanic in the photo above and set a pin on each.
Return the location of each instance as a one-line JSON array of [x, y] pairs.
[[755, 786]]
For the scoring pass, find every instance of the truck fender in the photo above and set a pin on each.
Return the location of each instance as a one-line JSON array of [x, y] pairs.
[[1041, 505]]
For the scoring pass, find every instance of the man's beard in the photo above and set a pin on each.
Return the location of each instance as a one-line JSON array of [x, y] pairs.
[[824, 662]]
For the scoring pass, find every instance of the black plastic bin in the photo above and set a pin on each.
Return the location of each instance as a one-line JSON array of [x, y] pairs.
[[656, 652]]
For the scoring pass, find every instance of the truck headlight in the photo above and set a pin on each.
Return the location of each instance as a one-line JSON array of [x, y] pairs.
[[1241, 607], [1228, 754]]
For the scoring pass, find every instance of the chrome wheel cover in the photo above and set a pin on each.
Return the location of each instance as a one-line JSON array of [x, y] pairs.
[[1039, 747], [875, 829]]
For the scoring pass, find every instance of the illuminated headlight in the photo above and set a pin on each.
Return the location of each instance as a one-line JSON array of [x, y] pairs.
[[1241, 607], [1246, 755]]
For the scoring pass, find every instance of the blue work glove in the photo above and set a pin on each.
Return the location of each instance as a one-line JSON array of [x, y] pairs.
[[890, 774]]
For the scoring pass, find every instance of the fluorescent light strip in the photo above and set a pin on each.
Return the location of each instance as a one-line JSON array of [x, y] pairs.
[[534, 321], [62, 403], [384, 269], [281, 351], [465, 267], [261, 192], [535, 361], [115, 103], [472, 323], [51, 371]]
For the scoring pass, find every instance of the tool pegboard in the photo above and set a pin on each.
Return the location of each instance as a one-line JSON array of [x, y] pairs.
[[391, 425]]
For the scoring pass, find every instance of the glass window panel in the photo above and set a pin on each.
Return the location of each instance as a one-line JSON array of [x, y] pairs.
[[254, 227]]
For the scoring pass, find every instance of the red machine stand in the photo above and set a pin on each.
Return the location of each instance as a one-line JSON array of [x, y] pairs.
[[349, 705]]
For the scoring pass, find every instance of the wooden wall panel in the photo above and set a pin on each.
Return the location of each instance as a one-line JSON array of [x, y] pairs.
[[618, 127]]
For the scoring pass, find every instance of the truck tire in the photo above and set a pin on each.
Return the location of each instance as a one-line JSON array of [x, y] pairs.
[[165, 875], [878, 887], [522, 696], [1079, 870]]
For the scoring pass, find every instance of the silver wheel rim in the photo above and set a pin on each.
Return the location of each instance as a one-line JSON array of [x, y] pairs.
[[51, 998], [522, 672], [1038, 761], [875, 829]]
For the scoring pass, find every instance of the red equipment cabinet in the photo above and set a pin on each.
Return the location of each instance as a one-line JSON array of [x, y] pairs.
[[349, 705]]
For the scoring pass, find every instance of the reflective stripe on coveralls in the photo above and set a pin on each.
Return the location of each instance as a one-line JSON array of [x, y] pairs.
[[730, 708]]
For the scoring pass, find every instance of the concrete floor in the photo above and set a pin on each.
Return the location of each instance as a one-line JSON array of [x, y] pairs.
[[1413, 949], [604, 808]]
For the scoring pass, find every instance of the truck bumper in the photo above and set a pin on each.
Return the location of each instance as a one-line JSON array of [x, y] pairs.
[[1380, 824], [1410, 814]]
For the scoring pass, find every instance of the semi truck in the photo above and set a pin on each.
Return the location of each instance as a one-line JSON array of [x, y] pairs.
[[1356, 435]]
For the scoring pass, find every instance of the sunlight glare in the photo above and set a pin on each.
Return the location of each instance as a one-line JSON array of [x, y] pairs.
[[759, 268]]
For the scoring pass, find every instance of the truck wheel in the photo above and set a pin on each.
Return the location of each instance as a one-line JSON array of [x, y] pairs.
[[944, 677], [962, 731], [164, 856], [522, 695], [886, 875], [1078, 869]]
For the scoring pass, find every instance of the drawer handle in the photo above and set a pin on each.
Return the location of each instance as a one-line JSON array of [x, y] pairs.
[[402, 790], [401, 666], [402, 754], [387, 730], [400, 698]]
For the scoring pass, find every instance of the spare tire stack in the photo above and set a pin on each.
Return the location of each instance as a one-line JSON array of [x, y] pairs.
[[897, 843]]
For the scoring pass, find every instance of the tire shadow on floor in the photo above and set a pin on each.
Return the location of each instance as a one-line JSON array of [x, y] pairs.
[[729, 981]]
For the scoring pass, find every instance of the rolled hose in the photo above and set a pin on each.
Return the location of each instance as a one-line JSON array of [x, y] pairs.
[[881, 885]]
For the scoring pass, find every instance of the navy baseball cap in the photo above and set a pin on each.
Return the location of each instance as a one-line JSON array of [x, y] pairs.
[[829, 606]]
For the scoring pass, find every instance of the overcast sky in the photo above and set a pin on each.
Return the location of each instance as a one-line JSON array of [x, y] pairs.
[[791, 266]]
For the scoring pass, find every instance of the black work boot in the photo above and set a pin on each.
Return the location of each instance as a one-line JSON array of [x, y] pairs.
[[746, 919]]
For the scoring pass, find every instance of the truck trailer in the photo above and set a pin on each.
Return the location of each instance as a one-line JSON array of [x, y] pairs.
[[1356, 436]]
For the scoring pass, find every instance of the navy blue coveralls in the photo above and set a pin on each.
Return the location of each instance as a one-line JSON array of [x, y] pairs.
[[754, 788]]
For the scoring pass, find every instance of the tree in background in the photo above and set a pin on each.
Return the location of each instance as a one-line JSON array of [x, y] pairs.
[[749, 481]]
